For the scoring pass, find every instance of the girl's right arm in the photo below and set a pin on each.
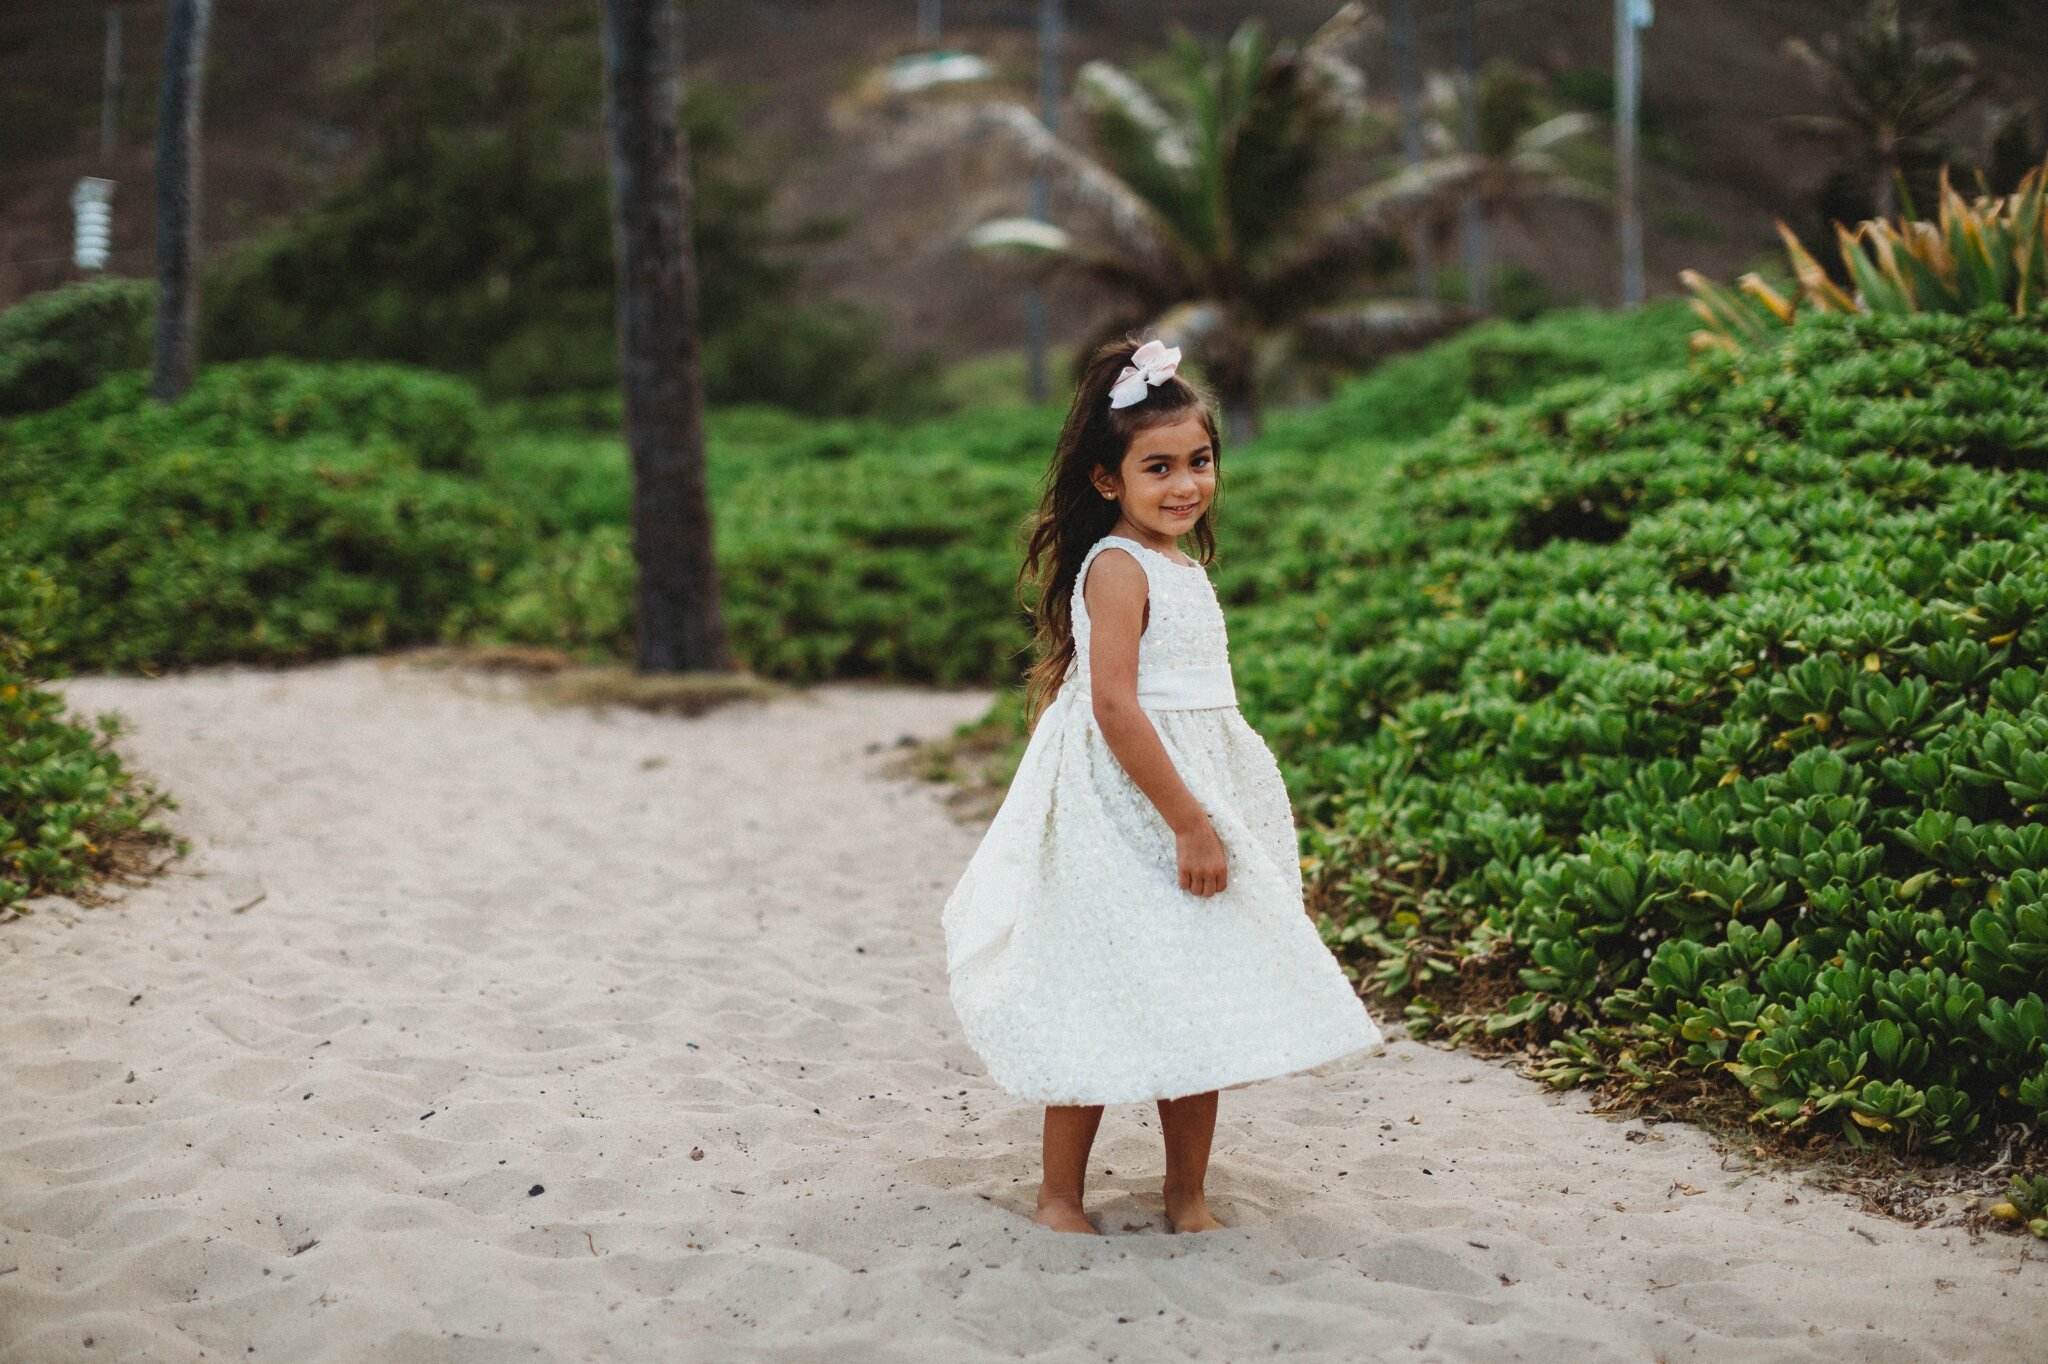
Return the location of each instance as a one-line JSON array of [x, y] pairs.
[[1115, 593]]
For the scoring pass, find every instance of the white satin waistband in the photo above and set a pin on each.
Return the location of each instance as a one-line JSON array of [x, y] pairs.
[[1186, 688], [1191, 688]]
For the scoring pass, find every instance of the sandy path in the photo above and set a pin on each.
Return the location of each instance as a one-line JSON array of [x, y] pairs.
[[501, 949]]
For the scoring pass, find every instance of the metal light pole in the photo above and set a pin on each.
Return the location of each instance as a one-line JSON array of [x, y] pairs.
[[1041, 185], [92, 206], [110, 89], [1407, 80], [1631, 17], [1472, 221]]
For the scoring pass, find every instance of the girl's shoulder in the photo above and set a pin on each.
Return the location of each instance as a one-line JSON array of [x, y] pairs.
[[1143, 553], [1140, 553], [1137, 551]]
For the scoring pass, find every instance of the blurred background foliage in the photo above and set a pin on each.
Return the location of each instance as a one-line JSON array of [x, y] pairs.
[[473, 242]]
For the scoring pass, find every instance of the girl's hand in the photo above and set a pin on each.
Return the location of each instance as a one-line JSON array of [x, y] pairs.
[[1203, 869]]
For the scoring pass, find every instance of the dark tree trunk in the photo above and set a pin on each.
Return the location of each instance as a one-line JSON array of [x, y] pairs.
[[678, 619], [1230, 366], [177, 200], [1887, 180]]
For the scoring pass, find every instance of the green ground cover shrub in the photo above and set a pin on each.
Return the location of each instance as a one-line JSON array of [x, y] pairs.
[[59, 343], [847, 548], [856, 547], [283, 510], [1495, 362], [1697, 726], [275, 512], [65, 798]]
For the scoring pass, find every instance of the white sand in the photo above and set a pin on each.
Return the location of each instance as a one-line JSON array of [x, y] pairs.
[[591, 946]]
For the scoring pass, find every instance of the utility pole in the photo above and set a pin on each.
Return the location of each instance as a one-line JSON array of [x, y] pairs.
[[92, 206], [1631, 17], [110, 86], [1041, 184], [175, 352], [1408, 81], [1472, 222]]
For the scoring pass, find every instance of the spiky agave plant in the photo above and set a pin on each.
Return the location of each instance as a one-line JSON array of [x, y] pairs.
[[1991, 250]]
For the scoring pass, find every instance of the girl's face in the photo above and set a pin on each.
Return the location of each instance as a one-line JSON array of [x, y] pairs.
[[1168, 478]]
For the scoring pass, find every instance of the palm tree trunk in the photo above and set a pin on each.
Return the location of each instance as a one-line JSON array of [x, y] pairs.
[[1230, 367], [175, 357], [680, 625]]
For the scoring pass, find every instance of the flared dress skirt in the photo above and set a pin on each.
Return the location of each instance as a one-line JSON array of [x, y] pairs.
[[1082, 973]]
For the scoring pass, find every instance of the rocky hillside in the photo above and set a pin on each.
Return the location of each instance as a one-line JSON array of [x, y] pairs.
[[1715, 76]]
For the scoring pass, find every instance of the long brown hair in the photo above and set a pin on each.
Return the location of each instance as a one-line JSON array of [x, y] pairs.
[[1072, 512]]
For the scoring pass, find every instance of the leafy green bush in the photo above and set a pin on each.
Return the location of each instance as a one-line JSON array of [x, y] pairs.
[[821, 358], [1698, 725], [273, 513], [1494, 362], [64, 796], [282, 511], [845, 549], [418, 419], [57, 344]]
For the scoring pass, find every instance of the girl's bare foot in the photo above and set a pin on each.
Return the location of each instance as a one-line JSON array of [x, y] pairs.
[[1062, 1215], [1190, 1212]]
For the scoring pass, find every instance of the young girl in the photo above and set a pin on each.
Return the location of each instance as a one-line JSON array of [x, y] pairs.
[[1132, 928]]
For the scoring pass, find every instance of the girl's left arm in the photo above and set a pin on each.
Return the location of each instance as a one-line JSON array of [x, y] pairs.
[[1116, 593]]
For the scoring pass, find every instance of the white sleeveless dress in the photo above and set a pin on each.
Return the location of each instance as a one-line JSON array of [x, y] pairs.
[[1079, 969]]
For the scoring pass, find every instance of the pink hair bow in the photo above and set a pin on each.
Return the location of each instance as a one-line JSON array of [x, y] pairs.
[[1152, 364]]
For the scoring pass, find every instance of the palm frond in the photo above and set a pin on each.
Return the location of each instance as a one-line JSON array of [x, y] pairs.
[[1342, 245], [1543, 171], [1884, 80], [1816, 125], [1007, 240], [1193, 325], [1366, 333], [1285, 133], [1340, 35], [1144, 146], [1820, 69], [1040, 251], [1328, 53], [1110, 88], [1134, 226], [1552, 131]]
